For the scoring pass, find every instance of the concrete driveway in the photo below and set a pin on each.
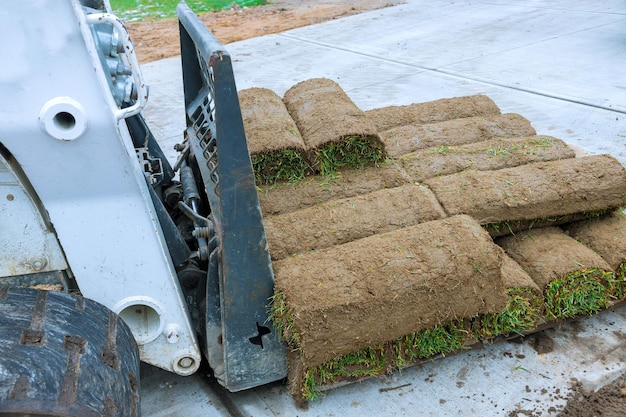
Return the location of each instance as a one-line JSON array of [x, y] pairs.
[[559, 63]]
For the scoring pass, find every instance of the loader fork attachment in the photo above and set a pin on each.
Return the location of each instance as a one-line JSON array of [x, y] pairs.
[[241, 343]]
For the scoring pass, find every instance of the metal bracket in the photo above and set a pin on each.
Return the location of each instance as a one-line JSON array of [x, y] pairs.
[[243, 348]]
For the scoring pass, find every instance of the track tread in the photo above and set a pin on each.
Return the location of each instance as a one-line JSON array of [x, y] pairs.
[[65, 355]]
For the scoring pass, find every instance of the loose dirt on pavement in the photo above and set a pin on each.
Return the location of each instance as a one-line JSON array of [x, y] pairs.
[[608, 401]]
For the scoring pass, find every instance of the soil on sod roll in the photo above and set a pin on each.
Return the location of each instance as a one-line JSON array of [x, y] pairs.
[[410, 138], [385, 118], [575, 280], [344, 220], [607, 237], [367, 292], [484, 156], [541, 193], [287, 197], [276, 148], [336, 132]]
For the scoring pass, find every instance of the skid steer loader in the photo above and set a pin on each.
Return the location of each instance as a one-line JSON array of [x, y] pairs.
[[91, 208]]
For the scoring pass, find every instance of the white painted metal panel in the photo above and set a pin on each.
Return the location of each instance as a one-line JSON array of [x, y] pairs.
[[89, 182]]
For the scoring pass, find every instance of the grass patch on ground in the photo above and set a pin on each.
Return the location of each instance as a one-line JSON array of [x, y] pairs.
[[146, 10], [583, 292], [286, 165], [353, 151], [522, 313]]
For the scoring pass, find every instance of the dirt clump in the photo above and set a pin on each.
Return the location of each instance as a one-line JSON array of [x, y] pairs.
[[608, 401]]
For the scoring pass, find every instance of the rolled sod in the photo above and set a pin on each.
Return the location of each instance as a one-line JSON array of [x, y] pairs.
[[484, 156], [410, 138], [276, 148], [344, 220], [339, 300], [607, 237], [287, 197], [385, 118], [541, 193], [574, 279], [349, 306], [524, 308], [336, 132]]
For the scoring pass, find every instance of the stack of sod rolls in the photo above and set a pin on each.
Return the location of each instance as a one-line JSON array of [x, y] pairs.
[[386, 264]]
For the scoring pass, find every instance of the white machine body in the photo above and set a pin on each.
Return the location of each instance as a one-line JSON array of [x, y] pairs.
[[73, 194]]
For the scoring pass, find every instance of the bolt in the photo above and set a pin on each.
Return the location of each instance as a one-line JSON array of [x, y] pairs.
[[124, 69], [172, 333], [186, 362], [10, 197], [39, 263], [173, 337]]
